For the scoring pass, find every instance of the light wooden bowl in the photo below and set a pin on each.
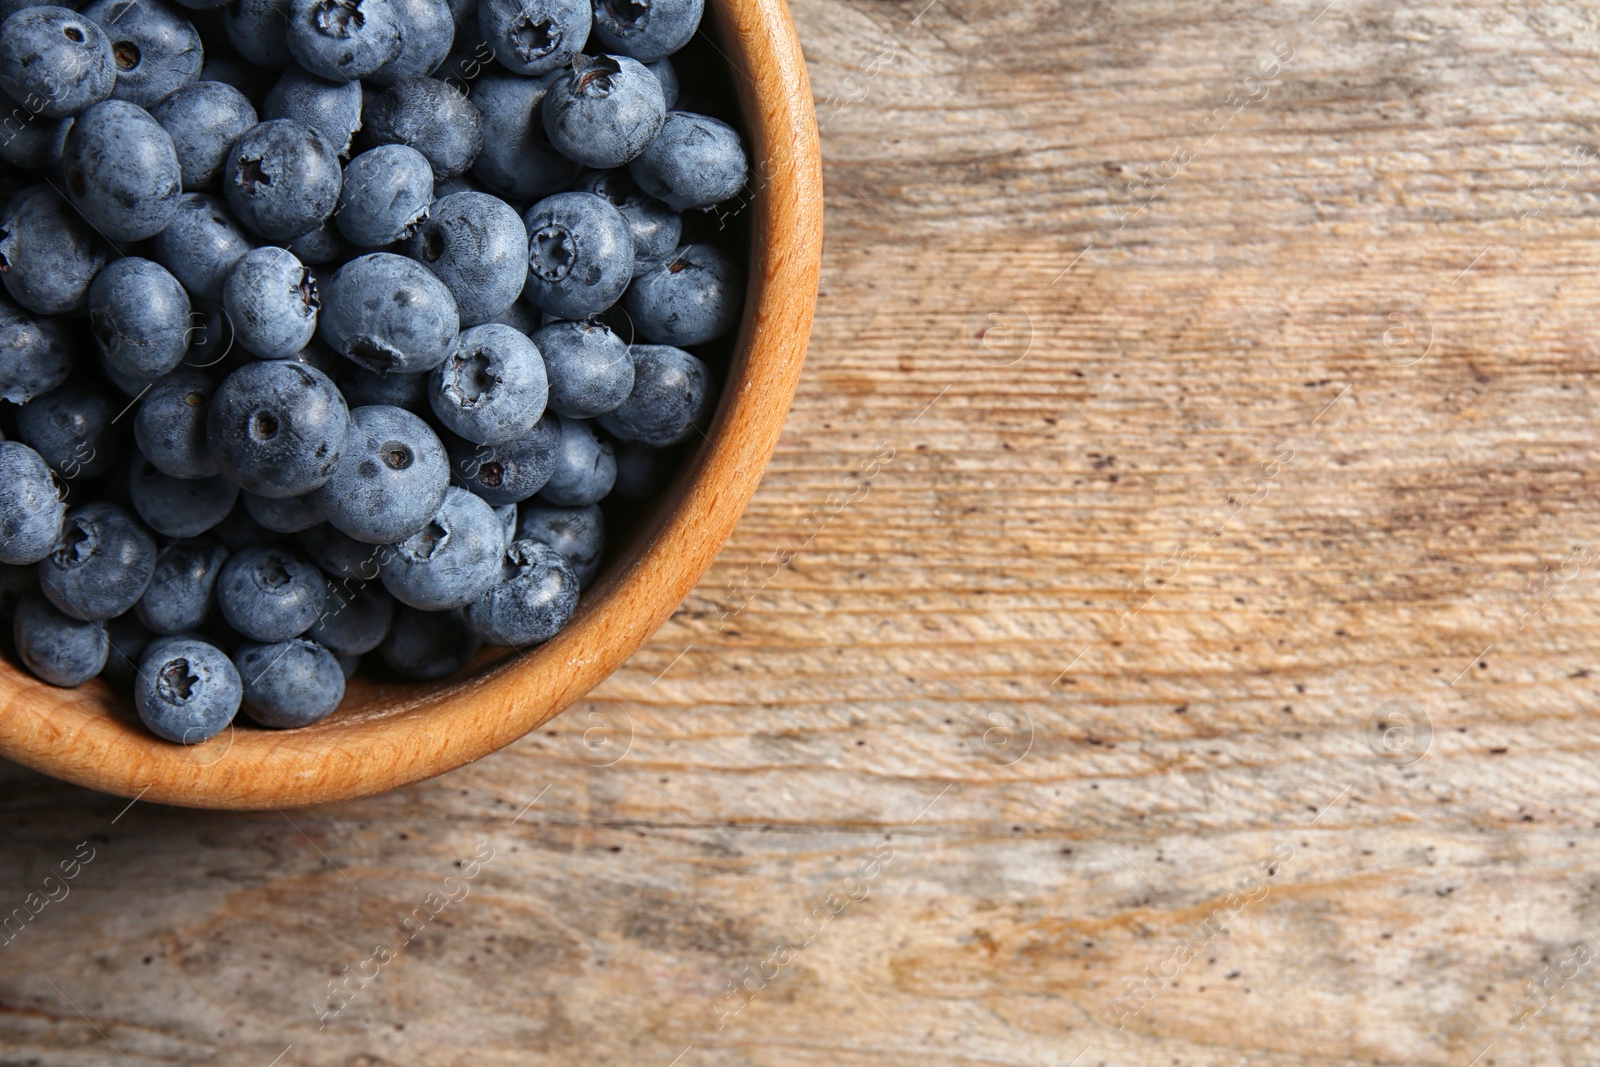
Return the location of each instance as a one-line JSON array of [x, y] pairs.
[[388, 735]]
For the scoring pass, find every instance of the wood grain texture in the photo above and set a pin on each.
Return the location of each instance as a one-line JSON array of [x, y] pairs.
[[1275, 546]]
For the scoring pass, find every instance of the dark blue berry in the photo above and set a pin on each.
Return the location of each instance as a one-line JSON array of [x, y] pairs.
[[181, 588], [270, 594], [492, 388], [272, 303], [476, 244], [428, 644], [343, 40], [533, 601], [667, 75], [603, 110], [590, 369], [578, 534], [385, 195], [179, 507], [101, 565], [585, 468], [450, 561], [362, 388], [391, 479], [332, 108], [695, 162], [140, 317], [55, 61], [672, 393], [277, 427], [122, 171], [170, 425], [507, 473], [201, 245], [203, 120], [31, 509], [427, 30], [35, 353], [431, 116], [389, 314], [29, 140], [281, 179], [357, 618], [641, 469], [518, 161], [289, 684], [56, 648], [534, 36], [48, 253], [692, 298], [283, 514], [71, 428], [325, 244], [580, 255], [654, 227], [259, 31], [156, 50], [646, 29], [187, 691]]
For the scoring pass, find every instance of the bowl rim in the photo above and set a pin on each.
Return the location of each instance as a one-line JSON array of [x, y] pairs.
[[367, 749]]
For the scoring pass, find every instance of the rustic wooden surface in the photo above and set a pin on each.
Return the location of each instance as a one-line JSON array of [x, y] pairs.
[[1222, 627]]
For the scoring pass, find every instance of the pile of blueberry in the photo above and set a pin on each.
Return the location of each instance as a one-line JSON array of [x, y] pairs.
[[329, 324]]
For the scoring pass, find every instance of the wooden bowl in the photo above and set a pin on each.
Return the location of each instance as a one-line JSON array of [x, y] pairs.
[[384, 735]]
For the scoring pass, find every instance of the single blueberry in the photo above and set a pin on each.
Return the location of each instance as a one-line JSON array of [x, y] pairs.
[[646, 29], [390, 481], [667, 75], [585, 468], [603, 110], [511, 472], [691, 298], [71, 428], [270, 594], [121, 171], [31, 509], [389, 314], [332, 108], [181, 588], [179, 507], [590, 369], [187, 691], [55, 60], [654, 227], [283, 514], [343, 40], [427, 30], [578, 534], [278, 427], [35, 353], [126, 638], [362, 388], [139, 315], [492, 388], [204, 119], [156, 50], [29, 140], [259, 31], [56, 648], [518, 161], [672, 393], [535, 598], [323, 245], [48, 253], [384, 196], [696, 161], [272, 303], [580, 255], [170, 425], [534, 36], [200, 246], [433, 117], [450, 561], [281, 179], [428, 644], [101, 565], [476, 244], [357, 618], [289, 684], [641, 469]]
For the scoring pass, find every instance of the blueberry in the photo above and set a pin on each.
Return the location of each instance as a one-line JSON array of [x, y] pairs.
[[332, 108], [140, 317], [507, 514], [641, 469], [492, 388], [427, 29], [390, 481], [692, 298], [179, 507], [31, 510], [590, 369], [259, 31], [536, 596], [476, 244], [343, 40], [672, 393], [431, 116], [522, 317], [35, 353], [428, 644], [289, 684], [240, 531], [272, 303], [518, 161], [156, 50], [534, 36], [55, 60], [603, 110], [278, 427], [101, 565], [29, 140], [452, 560], [283, 514], [181, 588], [654, 227], [508, 473], [201, 245], [122, 172], [578, 534], [281, 179], [349, 665], [585, 468], [362, 388], [389, 314], [695, 161], [204, 119], [48, 253], [580, 256], [57, 648], [667, 75], [270, 594], [71, 429], [126, 638], [646, 29], [325, 244], [187, 691], [357, 618], [385, 195], [354, 563], [170, 425]]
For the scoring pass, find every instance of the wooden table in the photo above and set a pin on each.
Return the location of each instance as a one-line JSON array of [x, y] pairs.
[[1166, 634]]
